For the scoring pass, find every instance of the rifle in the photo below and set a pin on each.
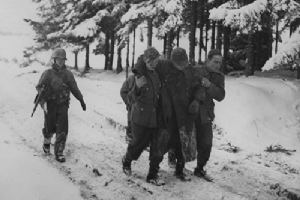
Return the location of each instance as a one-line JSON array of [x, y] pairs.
[[38, 98]]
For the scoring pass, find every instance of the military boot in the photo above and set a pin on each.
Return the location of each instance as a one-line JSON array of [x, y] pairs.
[[60, 158], [126, 166], [46, 145], [153, 177], [179, 172], [46, 148], [199, 172]]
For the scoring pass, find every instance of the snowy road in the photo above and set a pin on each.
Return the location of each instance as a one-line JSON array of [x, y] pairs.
[[96, 144]]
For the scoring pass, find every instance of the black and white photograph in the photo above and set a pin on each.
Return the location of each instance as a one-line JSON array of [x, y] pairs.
[[149, 99]]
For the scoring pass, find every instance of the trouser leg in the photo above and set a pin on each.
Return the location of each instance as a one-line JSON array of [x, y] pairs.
[[140, 140], [204, 137], [61, 130], [157, 150], [128, 131], [49, 123]]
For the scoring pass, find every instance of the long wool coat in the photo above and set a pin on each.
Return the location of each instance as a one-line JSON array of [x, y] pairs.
[[179, 88]]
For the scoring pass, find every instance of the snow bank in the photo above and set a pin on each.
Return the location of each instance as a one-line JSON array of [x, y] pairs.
[[259, 112]]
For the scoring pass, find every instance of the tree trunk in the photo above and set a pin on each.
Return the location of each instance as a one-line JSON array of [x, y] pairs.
[[170, 39], [213, 35], [207, 27], [119, 61], [201, 44], [277, 37], [87, 58], [298, 71], [150, 32], [76, 60], [250, 56], [106, 52], [177, 37], [227, 31], [133, 49], [165, 45], [112, 50], [127, 57], [192, 35], [219, 35], [270, 36]]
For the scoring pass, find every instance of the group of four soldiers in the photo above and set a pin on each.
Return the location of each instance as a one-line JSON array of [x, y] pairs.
[[170, 108]]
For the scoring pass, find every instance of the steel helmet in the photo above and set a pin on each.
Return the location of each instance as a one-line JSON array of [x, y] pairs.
[[59, 53], [179, 56]]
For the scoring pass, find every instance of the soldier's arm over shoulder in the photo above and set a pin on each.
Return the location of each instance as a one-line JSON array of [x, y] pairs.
[[73, 86], [199, 92], [162, 68], [217, 87]]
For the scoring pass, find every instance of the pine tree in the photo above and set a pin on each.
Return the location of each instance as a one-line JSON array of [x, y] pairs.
[[256, 18]]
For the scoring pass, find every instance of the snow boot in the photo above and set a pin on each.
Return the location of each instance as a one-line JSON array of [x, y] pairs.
[[153, 177], [60, 158], [126, 166], [199, 172], [155, 180], [180, 174], [46, 148]]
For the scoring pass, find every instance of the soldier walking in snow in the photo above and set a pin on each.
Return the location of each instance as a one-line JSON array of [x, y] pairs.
[[144, 122], [180, 86], [125, 89], [212, 80], [56, 84]]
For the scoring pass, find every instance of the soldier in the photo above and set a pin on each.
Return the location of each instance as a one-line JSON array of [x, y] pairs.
[[179, 87], [144, 122], [125, 89], [57, 82], [213, 82]]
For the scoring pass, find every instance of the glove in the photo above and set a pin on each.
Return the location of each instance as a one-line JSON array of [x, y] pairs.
[[205, 82], [44, 107], [140, 81], [194, 107], [83, 106]]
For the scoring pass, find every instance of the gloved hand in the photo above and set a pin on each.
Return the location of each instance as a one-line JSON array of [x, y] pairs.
[[44, 107], [83, 106], [205, 82], [194, 107], [140, 81]]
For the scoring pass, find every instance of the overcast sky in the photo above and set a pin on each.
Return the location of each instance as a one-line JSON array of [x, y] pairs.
[[12, 13]]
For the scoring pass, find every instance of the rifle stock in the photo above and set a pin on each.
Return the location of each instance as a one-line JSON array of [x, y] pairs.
[[37, 99]]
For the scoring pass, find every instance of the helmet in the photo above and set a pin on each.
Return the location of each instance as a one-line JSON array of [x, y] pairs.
[[179, 56], [59, 53], [151, 53]]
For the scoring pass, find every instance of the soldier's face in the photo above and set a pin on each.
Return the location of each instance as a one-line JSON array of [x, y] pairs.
[[151, 64], [215, 62], [60, 62], [181, 66]]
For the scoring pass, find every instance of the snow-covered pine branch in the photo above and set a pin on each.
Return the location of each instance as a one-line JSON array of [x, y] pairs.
[[88, 27], [245, 18], [174, 9], [140, 11], [286, 53]]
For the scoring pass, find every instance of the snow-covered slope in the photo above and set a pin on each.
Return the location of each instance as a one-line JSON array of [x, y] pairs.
[[259, 112]]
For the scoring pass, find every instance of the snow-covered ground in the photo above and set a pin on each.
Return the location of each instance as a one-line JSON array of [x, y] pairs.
[[256, 113]]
